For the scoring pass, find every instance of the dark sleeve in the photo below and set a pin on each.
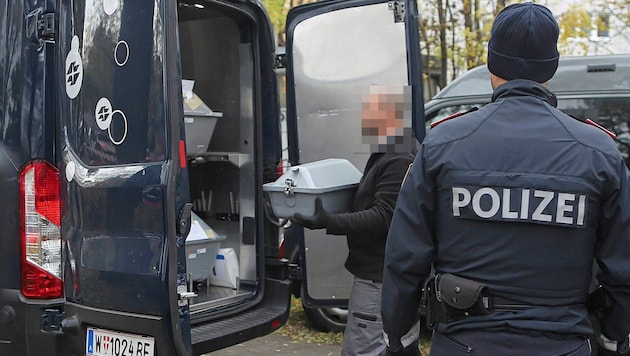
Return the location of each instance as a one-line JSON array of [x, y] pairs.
[[409, 251], [613, 257], [377, 217]]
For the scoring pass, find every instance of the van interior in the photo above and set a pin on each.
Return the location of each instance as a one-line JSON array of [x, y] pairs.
[[216, 45]]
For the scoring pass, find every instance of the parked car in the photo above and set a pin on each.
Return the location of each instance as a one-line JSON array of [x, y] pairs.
[[136, 139], [595, 87]]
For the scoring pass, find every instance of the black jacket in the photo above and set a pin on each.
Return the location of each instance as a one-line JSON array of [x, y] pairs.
[[521, 197], [367, 223]]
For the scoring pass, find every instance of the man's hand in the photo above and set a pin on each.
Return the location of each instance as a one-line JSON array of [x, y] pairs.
[[411, 350], [607, 347], [318, 221]]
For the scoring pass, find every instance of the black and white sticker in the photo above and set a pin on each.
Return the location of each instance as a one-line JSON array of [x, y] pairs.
[[104, 114], [110, 6], [74, 69]]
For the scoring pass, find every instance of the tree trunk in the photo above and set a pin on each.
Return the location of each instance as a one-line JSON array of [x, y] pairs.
[[469, 50], [443, 44], [427, 62], [501, 4]]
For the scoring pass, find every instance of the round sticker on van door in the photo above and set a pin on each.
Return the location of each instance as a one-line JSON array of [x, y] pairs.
[[74, 69], [70, 171], [110, 6], [122, 123], [121, 53], [103, 113]]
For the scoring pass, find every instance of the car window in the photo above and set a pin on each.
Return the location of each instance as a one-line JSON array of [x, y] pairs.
[[475, 82], [448, 111], [611, 113]]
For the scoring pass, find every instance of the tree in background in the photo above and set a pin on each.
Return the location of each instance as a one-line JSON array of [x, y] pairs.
[[277, 10], [596, 27], [442, 6], [460, 30], [473, 33], [575, 30]]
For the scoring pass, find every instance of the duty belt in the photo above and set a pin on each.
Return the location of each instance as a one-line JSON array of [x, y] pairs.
[[447, 298], [503, 304]]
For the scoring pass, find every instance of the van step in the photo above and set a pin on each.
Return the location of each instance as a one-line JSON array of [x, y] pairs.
[[258, 321]]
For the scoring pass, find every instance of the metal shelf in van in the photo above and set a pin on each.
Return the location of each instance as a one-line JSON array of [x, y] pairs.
[[236, 158]]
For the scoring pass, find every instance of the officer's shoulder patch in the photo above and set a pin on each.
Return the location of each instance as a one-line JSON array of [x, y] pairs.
[[450, 117], [594, 124]]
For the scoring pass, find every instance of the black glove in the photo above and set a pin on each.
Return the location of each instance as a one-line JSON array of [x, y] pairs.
[[319, 220], [411, 350], [623, 348], [604, 352]]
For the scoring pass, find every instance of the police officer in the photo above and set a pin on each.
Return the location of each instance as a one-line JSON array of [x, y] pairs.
[[391, 143], [509, 205]]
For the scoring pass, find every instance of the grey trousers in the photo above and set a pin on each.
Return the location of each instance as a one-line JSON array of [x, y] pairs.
[[490, 342], [364, 328]]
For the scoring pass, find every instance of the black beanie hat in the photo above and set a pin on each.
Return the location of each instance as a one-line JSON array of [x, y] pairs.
[[523, 43]]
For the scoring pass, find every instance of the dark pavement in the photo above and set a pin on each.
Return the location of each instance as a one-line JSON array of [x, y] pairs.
[[275, 344]]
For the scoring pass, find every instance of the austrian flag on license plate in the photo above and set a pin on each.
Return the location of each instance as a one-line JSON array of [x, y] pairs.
[[100, 342]]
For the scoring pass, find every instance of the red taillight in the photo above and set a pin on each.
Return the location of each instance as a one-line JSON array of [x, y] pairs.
[[40, 215], [275, 324], [282, 167], [281, 250], [182, 154], [279, 169]]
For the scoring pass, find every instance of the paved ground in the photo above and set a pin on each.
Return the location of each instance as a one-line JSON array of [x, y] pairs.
[[275, 345]]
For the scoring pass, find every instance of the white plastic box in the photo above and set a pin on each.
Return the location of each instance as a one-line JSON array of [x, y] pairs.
[[334, 180], [202, 246], [225, 272]]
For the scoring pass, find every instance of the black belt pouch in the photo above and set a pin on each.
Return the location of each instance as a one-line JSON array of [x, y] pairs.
[[449, 298]]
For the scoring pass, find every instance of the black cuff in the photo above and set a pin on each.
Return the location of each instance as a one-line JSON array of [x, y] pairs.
[[398, 350]]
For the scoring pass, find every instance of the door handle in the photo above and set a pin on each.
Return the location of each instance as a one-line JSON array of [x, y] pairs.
[[183, 222]]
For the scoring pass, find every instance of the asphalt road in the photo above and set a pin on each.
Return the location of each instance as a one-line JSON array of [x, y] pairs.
[[274, 344]]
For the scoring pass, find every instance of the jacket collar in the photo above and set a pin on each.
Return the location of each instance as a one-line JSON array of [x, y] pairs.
[[524, 87]]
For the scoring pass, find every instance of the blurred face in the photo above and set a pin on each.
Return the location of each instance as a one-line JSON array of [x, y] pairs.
[[382, 115], [386, 119]]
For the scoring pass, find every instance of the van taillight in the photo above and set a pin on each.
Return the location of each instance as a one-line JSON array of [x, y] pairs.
[[40, 215], [279, 169]]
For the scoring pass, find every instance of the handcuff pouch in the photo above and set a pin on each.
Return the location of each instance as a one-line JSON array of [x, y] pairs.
[[450, 298]]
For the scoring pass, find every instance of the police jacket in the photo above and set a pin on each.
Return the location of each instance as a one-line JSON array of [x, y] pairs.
[[521, 197], [367, 223]]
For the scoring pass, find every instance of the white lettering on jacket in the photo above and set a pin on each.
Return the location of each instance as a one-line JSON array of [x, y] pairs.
[[520, 204]]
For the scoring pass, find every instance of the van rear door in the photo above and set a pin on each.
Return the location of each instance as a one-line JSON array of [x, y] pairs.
[[124, 181], [169, 127], [336, 50]]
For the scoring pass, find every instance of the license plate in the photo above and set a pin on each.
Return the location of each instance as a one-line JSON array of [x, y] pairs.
[[101, 342]]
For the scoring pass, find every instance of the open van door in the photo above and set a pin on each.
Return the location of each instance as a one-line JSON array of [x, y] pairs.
[[168, 127], [125, 188], [336, 50]]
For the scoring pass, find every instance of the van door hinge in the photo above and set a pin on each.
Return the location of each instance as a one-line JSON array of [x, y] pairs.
[[46, 24], [398, 7], [295, 272], [281, 61], [51, 319], [41, 26]]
